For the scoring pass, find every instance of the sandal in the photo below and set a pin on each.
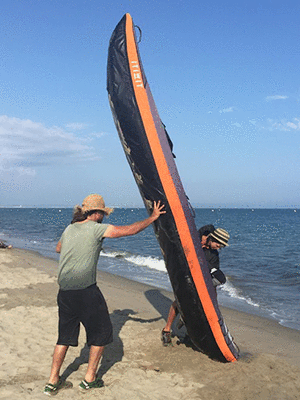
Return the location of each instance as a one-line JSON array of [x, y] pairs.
[[166, 338], [51, 389], [97, 383]]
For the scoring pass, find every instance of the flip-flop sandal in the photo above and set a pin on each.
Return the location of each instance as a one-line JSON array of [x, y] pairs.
[[166, 338], [97, 383], [51, 389]]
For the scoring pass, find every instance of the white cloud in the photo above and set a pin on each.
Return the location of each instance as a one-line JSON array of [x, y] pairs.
[[25, 171], [98, 135], [226, 110], [26, 145], [271, 98], [293, 125], [77, 126]]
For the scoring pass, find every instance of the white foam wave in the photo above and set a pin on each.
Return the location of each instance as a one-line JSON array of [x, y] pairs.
[[142, 261], [234, 293], [150, 262], [159, 265]]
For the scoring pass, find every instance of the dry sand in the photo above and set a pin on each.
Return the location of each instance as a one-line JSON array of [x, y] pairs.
[[135, 366]]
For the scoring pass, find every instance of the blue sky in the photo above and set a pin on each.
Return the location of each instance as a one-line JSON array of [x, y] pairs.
[[224, 75]]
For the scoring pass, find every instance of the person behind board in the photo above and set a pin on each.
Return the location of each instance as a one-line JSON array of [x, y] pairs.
[[79, 298], [212, 240]]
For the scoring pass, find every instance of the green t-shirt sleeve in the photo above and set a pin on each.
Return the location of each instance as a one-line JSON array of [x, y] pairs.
[[100, 230]]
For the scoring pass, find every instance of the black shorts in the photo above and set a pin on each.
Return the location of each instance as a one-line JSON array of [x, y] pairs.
[[87, 306]]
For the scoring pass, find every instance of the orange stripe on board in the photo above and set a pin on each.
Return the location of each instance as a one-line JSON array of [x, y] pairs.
[[170, 190]]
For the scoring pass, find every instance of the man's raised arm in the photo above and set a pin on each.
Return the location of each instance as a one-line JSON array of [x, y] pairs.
[[128, 230]]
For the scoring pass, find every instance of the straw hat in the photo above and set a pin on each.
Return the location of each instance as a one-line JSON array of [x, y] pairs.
[[221, 236], [95, 202]]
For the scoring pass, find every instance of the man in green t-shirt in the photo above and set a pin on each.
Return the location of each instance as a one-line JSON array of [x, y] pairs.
[[79, 298]]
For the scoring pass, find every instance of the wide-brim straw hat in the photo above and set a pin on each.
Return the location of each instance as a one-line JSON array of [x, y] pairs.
[[95, 202], [221, 236]]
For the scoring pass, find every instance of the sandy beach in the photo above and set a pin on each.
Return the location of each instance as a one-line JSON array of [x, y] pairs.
[[135, 365]]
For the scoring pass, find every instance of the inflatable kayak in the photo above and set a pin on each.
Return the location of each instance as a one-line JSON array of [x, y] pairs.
[[148, 149]]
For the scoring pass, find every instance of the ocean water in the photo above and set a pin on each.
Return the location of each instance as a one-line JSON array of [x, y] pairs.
[[262, 263]]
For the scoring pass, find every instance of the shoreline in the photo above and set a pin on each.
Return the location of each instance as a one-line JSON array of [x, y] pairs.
[[266, 290], [135, 365], [244, 309], [230, 303]]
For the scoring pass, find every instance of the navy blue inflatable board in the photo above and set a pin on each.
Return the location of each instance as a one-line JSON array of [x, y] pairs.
[[148, 151]]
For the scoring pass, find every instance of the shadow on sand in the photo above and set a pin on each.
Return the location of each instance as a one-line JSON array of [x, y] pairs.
[[113, 352], [162, 304]]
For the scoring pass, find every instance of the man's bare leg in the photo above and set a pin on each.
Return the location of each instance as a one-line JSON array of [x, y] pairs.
[[58, 358], [94, 359], [171, 317]]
